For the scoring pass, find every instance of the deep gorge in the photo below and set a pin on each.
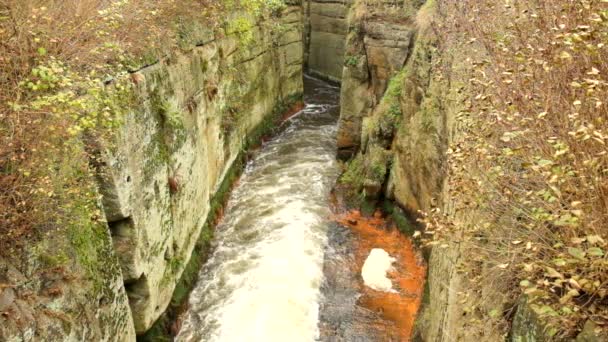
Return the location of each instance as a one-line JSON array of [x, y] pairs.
[[207, 167]]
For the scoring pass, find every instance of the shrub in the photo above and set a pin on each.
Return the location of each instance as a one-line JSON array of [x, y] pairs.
[[64, 81], [532, 162]]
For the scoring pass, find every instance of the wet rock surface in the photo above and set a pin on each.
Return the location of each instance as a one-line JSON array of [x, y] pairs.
[[326, 36], [341, 319], [351, 311]]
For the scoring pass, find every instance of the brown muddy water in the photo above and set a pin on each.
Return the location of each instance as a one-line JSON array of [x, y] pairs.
[[284, 267]]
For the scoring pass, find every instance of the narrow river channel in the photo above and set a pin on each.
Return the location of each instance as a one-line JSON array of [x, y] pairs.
[[262, 282], [285, 267]]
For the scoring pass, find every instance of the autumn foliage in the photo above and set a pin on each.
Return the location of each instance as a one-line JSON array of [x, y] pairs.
[[532, 160], [64, 79]]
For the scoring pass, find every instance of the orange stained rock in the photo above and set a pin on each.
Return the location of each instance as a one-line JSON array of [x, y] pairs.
[[399, 307]]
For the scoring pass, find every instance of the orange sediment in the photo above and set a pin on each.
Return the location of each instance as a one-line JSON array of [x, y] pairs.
[[293, 110], [397, 309]]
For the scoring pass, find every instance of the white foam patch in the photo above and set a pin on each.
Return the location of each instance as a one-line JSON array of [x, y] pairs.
[[375, 268]]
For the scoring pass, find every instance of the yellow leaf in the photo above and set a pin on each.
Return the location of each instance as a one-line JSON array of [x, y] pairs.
[[552, 273]]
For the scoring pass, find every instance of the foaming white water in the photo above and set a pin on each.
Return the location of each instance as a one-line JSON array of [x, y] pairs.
[[277, 299], [262, 281], [375, 269]]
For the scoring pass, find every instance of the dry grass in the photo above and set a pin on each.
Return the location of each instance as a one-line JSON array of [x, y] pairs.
[[534, 162]]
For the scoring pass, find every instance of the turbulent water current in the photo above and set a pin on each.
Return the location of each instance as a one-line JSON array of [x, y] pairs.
[[263, 279]]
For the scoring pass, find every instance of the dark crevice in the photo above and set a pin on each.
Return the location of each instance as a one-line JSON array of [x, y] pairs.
[[122, 227], [138, 289]]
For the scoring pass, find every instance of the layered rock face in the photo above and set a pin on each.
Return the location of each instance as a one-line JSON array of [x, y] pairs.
[[406, 98], [378, 46], [68, 287], [398, 117], [326, 31], [194, 116], [191, 117]]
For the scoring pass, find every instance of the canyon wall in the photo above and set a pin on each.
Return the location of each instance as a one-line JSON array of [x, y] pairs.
[[326, 29], [400, 101], [406, 99], [171, 157], [191, 116], [378, 45], [395, 127]]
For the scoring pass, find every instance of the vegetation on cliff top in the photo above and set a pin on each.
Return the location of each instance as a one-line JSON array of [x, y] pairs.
[[65, 79], [532, 160]]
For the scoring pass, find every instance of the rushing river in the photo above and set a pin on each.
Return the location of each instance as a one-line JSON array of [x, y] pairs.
[[263, 280]]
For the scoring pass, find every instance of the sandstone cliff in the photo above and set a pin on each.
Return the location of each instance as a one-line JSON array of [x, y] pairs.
[[326, 28], [190, 117], [171, 157], [410, 78]]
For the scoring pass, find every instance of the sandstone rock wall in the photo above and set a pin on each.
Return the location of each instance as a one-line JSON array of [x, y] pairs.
[[191, 117], [68, 287], [194, 115], [326, 31], [377, 47], [398, 137], [398, 117]]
